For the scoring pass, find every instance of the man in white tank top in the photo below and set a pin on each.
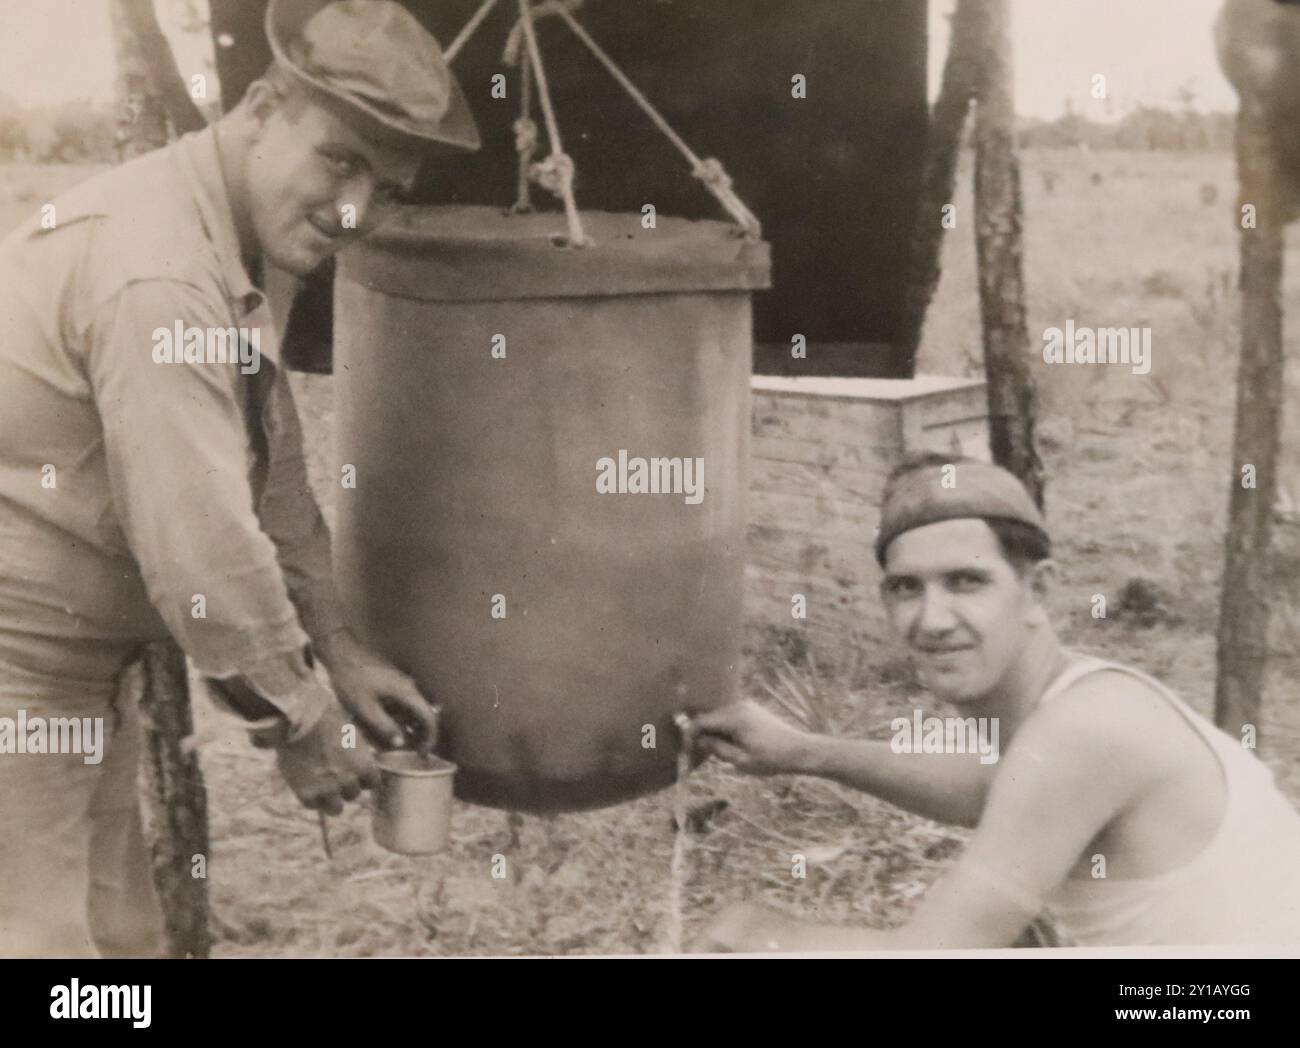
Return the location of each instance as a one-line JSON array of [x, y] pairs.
[[1098, 796]]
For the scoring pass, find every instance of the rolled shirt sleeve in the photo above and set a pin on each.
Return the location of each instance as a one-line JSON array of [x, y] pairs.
[[177, 453]]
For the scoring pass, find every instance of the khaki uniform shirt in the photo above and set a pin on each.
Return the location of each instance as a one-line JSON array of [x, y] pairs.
[[139, 497]]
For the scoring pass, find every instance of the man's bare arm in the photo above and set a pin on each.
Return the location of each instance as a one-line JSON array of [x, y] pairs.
[[947, 787], [1071, 771]]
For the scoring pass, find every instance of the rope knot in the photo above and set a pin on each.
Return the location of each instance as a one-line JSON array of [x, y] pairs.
[[554, 174], [525, 131], [712, 173], [514, 41]]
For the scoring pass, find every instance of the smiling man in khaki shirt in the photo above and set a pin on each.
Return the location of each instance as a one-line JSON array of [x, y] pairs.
[[142, 495]]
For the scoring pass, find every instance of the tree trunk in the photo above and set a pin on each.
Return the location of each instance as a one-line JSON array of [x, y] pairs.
[[142, 117], [1248, 571], [174, 801], [998, 214], [939, 176], [164, 79]]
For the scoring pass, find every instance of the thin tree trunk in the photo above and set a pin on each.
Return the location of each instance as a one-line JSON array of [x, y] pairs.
[[998, 219], [1244, 610], [174, 800], [939, 176], [164, 79], [175, 805], [142, 116]]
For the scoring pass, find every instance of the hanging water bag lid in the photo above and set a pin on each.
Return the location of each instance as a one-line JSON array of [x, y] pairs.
[[465, 254]]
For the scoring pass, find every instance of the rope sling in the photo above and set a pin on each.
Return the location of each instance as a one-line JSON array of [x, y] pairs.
[[556, 172]]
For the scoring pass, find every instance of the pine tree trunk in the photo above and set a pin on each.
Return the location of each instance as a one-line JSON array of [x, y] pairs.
[[142, 117], [939, 176], [173, 798], [174, 801], [999, 254], [1249, 569]]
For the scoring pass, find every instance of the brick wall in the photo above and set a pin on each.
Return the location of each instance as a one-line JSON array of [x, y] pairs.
[[821, 449]]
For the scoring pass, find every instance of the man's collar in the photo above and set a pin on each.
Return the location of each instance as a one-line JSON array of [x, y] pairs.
[[200, 161]]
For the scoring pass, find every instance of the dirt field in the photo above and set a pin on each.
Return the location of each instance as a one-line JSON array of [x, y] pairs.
[[1138, 468]]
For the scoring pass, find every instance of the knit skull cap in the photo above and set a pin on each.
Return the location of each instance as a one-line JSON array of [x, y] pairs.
[[973, 489], [373, 65]]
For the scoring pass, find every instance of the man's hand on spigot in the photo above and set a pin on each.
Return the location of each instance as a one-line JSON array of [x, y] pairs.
[[751, 738], [383, 698]]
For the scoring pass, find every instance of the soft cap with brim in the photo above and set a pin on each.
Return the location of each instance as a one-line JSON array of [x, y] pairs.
[[373, 65], [979, 490]]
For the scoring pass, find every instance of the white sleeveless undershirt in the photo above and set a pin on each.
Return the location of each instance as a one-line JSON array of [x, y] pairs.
[[1244, 887]]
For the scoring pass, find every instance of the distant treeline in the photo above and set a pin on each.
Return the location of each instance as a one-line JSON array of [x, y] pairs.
[[71, 133], [1147, 127], [79, 133]]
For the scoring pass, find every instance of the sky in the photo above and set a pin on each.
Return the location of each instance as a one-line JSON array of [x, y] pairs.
[[61, 50], [1146, 49]]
